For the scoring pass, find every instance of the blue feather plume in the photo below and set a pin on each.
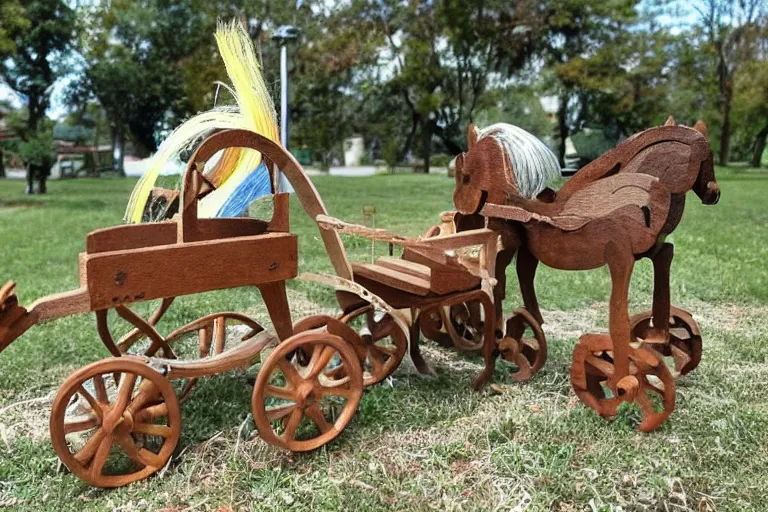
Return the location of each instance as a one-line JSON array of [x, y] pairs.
[[254, 186]]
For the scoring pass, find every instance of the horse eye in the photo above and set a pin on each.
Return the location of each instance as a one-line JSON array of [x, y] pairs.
[[465, 179]]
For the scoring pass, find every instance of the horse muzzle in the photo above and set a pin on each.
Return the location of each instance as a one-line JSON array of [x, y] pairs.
[[469, 201]]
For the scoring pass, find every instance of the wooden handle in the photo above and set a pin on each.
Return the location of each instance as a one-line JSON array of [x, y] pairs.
[[291, 169]]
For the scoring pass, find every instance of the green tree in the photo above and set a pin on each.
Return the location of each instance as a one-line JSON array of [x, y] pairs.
[[585, 50], [751, 109], [730, 29], [35, 63], [445, 55]]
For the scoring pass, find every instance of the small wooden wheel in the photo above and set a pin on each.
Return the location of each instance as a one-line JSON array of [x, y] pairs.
[[384, 342], [649, 384], [209, 336], [682, 344], [302, 408], [460, 325], [528, 354], [115, 422]]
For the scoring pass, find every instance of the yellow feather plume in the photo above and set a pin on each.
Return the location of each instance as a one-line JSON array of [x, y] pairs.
[[255, 111]]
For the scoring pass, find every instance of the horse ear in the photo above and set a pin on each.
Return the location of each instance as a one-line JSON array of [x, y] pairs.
[[670, 121], [473, 133], [701, 127]]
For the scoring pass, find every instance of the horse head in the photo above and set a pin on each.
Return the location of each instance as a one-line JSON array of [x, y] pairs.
[[483, 174]]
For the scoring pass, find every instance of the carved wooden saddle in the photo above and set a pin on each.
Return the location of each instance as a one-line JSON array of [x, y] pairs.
[[638, 199]]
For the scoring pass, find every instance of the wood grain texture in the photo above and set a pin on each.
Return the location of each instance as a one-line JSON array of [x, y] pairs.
[[128, 276], [615, 210]]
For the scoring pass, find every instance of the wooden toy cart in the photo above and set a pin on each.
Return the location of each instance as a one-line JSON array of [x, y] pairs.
[[118, 420]]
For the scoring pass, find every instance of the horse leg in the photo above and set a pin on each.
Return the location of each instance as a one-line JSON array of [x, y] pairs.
[[503, 259], [415, 352], [526, 273], [620, 262], [662, 261], [490, 347]]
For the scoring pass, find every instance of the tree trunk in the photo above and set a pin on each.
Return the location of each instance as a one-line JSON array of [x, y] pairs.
[[426, 143], [562, 126], [2, 165], [30, 179], [409, 140], [725, 133], [118, 149], [449, 143], [759, 146]]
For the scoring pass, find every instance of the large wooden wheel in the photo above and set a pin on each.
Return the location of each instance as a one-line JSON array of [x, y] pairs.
[[528, 353], [682, 343], [649, 384], [301, 407], [210, 336], [377, 339], [115, 422], [459, 325]]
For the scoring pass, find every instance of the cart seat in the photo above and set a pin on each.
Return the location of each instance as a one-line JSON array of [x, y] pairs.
[[416, 278]]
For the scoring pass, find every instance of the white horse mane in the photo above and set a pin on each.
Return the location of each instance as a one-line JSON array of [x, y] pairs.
[[534, 165]]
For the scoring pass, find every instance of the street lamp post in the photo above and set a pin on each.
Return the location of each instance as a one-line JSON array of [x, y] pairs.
[[284, 35]]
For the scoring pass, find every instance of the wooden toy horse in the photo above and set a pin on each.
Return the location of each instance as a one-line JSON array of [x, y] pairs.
[[612, 212]]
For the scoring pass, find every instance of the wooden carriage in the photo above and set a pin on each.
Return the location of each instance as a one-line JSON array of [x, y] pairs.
[[316, 369]]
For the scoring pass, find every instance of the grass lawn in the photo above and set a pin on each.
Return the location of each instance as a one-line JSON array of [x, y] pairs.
[[418, 443]]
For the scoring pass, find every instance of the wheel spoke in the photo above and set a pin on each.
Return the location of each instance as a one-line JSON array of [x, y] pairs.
[[342, 391], [142, 456], [219, 334], [279, 411], [280, 392], [316, 415], [87, 452], [101, 456], [290, 373], [292, 425], [374, 356], [152, 412], [604, 367], [95, 406], [204, 340], [101, 389], [147, 392], [81, 426], [320, 359], [124, 392], [150, 429]]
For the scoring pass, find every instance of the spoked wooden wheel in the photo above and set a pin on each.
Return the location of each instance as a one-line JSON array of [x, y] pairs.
[[682, 344], [377, 339], [460, 325], [527, 353], [649, 384], [302, 408], [384, 342], [210, 336], [115, 422]]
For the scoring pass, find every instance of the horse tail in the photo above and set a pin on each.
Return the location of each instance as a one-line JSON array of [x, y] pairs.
[[706, 186]]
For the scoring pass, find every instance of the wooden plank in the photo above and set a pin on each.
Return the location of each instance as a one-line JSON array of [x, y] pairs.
[[407, 267], [392, 278], [139, 236], [61, 304], [130, 236], [128, 276]]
